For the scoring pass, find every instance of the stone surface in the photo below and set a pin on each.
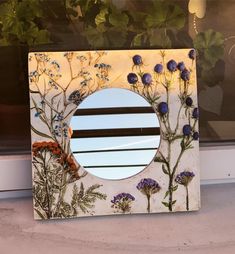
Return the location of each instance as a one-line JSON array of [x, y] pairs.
[[211, 230]]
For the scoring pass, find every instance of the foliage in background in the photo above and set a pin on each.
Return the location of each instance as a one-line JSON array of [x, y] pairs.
[[20, 23], [107, 24]]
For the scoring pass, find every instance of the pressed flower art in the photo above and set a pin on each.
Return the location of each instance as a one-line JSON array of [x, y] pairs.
[[60, 81]]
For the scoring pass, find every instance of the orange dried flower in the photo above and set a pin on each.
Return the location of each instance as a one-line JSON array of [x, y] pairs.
[[52, 147]]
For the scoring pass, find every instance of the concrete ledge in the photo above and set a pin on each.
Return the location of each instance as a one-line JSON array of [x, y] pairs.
[[209, 231]]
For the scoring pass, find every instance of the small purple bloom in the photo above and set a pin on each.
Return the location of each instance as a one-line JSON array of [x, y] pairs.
[[189, 101], [147, 79], [137, 60], [59, 117], [163, 108], [75, 97], [172, 65], [132, 78], [195, 113], [148, 187], [122, 202], [195, 135], [192, 54], [158, 68], [187, 130], [184, 178], [185, 75], [37, 114], [181, 66]]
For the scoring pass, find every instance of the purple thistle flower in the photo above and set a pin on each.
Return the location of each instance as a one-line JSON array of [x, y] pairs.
[[184, 178], [185, 75], [187, 130], [189, 101], [163, 108], [192, 54], [147, 79], [137, 60], [181, 66], [195, 113], [195, 135], [172, 65], [158, 68], [132, 78]]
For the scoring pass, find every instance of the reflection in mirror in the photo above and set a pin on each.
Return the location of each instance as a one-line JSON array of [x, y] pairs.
[[116, 133]]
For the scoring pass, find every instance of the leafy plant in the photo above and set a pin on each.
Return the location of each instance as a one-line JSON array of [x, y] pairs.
[[108, 25], [175, 135], [19, 23], [54, 165], [103, 24], [85, 199], [210, 47]]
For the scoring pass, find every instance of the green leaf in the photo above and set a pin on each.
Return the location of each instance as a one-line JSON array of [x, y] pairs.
[[167, 193], [138, 16], [165, 15], [164, 170], [40, 133], [118, 19], [165, 204], [39, 213], [159, 38], [175, 188], [3, 42], [137, 41], [173, 202], [72, 12], [42, 37], [182, 144], [116, 36], [210, 45], [81, 192], [94, 37], [101, 17], [158, 159]]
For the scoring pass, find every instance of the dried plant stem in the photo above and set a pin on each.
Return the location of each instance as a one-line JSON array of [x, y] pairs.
[[148, 206]]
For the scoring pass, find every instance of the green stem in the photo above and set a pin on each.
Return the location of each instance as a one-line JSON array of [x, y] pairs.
[[170, 207], [48, 212], [148, 207], [61, 194], [178, 116], [171, 177], [187, 198]]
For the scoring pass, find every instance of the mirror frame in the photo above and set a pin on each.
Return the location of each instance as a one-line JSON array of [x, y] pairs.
[[58, 83]]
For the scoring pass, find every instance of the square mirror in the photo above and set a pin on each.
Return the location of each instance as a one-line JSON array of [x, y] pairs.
[[114, 132]]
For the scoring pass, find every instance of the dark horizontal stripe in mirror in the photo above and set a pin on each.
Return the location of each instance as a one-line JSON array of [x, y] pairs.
[[116, 150], [116, 166], [114, 111], [123, 132]]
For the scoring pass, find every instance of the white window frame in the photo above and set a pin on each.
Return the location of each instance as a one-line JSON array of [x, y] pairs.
[[217, 165]]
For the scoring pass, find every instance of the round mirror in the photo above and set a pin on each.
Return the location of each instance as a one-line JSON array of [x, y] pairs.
[[116, 133]]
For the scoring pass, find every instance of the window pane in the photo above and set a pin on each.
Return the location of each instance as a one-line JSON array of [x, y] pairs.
[[49, 25]]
